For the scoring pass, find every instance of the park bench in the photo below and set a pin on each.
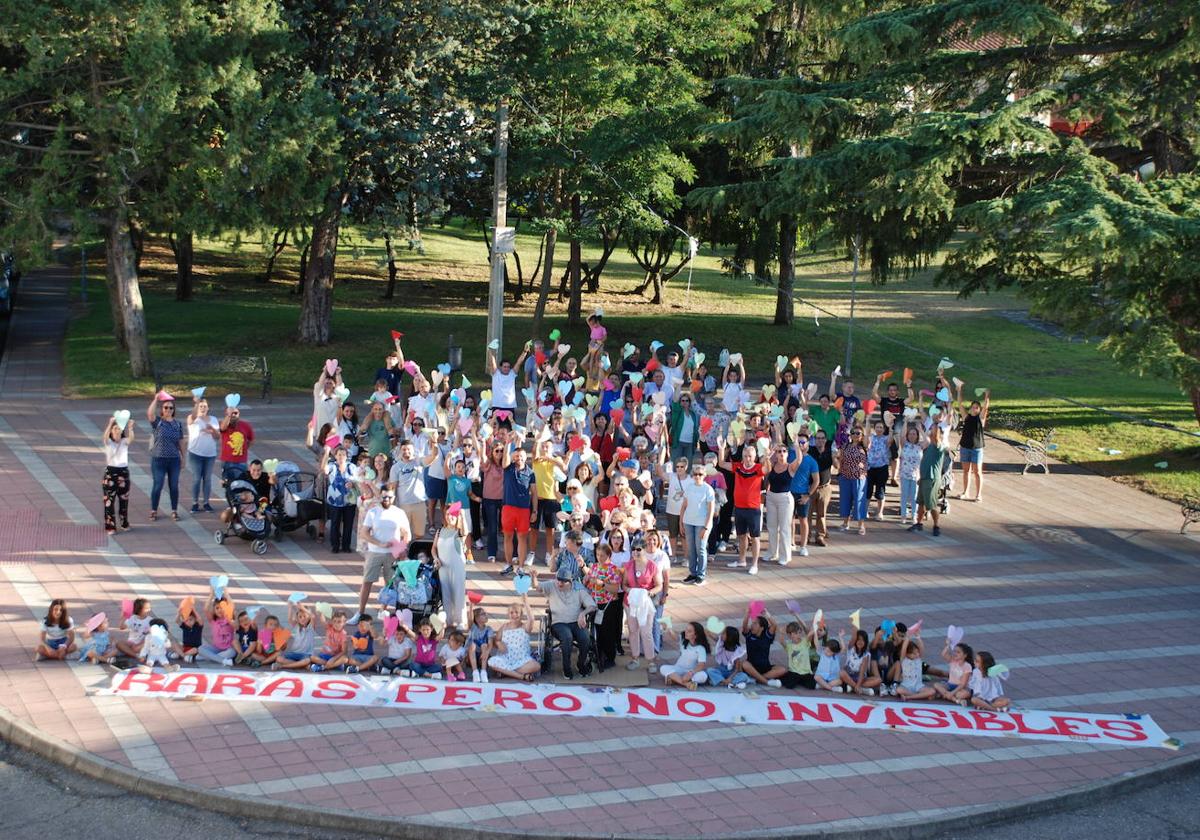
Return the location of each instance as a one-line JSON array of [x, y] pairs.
[[1035, 443], [1190, 508], [234, 371], [1035, 451]]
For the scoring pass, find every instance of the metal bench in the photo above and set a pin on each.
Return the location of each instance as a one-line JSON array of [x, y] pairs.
[[1035, 452], [222, 370], [1190, 508]]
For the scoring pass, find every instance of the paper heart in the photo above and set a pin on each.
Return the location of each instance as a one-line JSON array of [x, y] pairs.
[[578, 381], [444, 367], [539, 358], [886, 375], [164, 396], [545, 411], [323, 609], [270, 466], [218, 584], [698, 359], [522, 583], [934, 411], [563, 350], [617, 415], [910, 413], [390, 625], [408, 569], [494, 344], [908, 376], [397, 335], [121, 418], [756, 609], [398, 548], [684, 344], [736, 428], [464, 425], [714, 625], [605, 362], [226, 609], [555, 334], [998, 670], [665, 621], [438, 620], [647, 410], [331, 366], [706, 424], [945, 364], [810, 391], [954, 635], [659, 398], [474, 597], [793, 430], [888, 626], [459, 395], [187, 605], [818, 618], [943, 395], [95, 621], [198, 393], [233, 400], [1162, 465], [333, 441], [763, 446], [485, 431], [454, 509], [776, 413], [723, 358], [436, 377], [564, 387], [410, 367], [735, 358], [636, 378], [780, 363], [464, 412], [768, 391], [296, 597], [979, 392], [856, 619], [575, 443], [869, 407], [591, 399], [915, 629], [652, 366], [406, 617], [528, 394], [280, 637], [654, 345]]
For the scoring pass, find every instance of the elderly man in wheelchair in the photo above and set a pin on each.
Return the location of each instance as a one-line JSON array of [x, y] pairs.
[[570, 609]]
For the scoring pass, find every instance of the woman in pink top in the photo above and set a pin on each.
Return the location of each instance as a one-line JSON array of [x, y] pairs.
[[221, 649], [641, 573], [492, 473]]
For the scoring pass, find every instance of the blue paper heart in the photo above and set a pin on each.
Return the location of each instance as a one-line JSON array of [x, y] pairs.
[[943, 395], [444, 367], [578, 398], [605, 362], [218, 584], [528, 394], [233, 400], [888, 626], [564, 387], [464, 412], [197, 393], [522, 583], [296, 597], [484, 405]]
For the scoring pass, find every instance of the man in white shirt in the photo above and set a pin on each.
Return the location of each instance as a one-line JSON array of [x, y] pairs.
[[699, 507], [381, 526], [504, 380], [325, 402], [406, 481]]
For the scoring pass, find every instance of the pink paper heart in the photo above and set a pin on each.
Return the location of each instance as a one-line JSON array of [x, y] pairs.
[[756, 609], [410, 367], [163, 396], [331, 366], [126, 608], [390, 625], [399, 548], [333, 441], [455, 509]]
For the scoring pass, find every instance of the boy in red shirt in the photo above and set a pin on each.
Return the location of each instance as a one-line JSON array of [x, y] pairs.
[[747, 503]]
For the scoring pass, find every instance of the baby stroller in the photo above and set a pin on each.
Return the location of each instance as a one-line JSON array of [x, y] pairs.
[[424, 596], [295, 504], [249, 520], [946, 486]]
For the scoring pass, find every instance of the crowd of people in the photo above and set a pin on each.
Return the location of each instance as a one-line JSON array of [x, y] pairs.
[[601, 470]]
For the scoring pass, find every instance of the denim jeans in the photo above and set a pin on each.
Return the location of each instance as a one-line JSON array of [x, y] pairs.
[[908, 497], [566, 633], [697, 551], [491, 525], [683, 450], [657, 631], [164, 469], [718, 673], [341, 526], [422, 670], [852, 498], [202, 470]]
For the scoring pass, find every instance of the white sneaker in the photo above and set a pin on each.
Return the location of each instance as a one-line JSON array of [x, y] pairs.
[[722, 546], [479, 543], [172, 667], [753, 570], [483, 675], [530, 558], [740, 686], [774, 684], [354, 619], [784, 561], [803, 552], [733, 564], [868, 692], [632, 665], [228, 663], [491, 558], [475, 676], [547, 558], [190, 658]]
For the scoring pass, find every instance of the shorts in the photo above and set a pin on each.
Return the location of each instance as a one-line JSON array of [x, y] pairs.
[[800, 509], [374, 566], [325, 657], [877, 479], [893, 450], [793, 680], [55, 644], [547, 513], [927, 491], [514, 520], [435, 489], [360, 658], [296, 657], [747, 521], [674, 525], [970, 456]]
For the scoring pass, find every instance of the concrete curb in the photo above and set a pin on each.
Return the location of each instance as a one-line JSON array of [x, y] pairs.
[[27, 737]]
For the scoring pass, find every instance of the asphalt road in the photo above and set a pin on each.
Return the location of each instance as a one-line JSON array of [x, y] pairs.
[[43, 800]]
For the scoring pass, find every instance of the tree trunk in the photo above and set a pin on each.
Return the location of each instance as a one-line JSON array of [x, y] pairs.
[[299, 290], [316, 303], [646, 281], [183, 247], [785, 307], [137, 236], [659, 289], [764, 253], [278, 243], [392, 271], [122, 265], [114, 302], [575, 303], [539, 309]]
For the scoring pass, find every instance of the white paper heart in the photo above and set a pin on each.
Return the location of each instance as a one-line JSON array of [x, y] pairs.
[[121, 418]]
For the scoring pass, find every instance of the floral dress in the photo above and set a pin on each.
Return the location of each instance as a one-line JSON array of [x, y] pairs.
[[517, 651]]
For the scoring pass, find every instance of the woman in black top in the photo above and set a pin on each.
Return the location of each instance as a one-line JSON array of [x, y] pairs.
[[970, 445]]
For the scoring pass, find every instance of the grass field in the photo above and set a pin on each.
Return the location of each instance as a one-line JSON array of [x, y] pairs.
[[443, 292]]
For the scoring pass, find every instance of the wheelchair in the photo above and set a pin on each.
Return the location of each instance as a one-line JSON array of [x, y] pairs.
[[548, 647]]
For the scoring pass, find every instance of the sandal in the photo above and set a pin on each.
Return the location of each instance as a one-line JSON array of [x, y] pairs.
[[175, 515], [528, 678], [153, 515]]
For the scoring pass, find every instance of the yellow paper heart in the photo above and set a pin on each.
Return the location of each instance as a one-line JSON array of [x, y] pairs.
[[485, 394]]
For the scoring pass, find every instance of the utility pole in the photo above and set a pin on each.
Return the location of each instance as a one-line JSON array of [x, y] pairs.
[[495, 325]]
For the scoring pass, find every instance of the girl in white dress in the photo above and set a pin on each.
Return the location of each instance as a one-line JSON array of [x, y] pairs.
[[689, 668], [515, 657]]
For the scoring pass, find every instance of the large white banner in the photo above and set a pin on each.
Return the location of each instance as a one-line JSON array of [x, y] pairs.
[[713, 706]]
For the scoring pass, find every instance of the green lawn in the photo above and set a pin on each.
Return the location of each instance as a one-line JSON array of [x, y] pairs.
[[444, 291]]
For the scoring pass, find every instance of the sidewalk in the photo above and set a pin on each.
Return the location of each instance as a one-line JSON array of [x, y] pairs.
[[1083, 586]]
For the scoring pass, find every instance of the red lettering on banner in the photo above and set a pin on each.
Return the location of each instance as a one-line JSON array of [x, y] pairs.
[[704, 708], [928, 718], [151, 682], [961, 721], [774, 712], [800, 712], [553, 702], [860, 716], [1131, 728], [892, 719], [1022, 726], [405, 689], [335, 690], [456, 695], [198, 683], [291, 687], [243, 684], [1063, 724], [638, 704], [522, 698], [992, 722]]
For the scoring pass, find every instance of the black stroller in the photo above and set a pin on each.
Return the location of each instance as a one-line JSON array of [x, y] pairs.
[[249, 519], [424, 596], [295, 505]]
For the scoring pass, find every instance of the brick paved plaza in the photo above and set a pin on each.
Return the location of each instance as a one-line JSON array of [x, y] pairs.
[[1082, 586]]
